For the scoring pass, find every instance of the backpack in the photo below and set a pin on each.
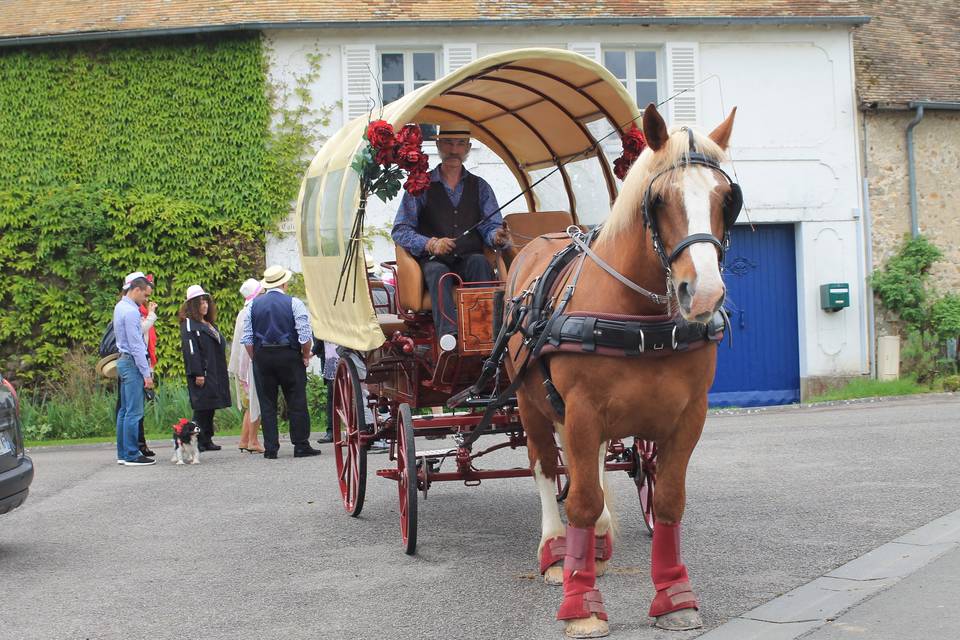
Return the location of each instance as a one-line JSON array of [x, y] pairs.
[[108, 343]]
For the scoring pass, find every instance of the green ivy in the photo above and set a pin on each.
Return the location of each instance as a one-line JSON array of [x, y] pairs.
[[173, 157]]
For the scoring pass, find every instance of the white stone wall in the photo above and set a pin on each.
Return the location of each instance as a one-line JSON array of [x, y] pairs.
[[794, 144]]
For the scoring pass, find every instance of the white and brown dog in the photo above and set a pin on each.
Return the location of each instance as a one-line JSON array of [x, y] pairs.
[[185, 442]]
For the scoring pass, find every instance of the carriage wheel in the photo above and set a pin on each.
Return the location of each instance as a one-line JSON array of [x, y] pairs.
[[348, 422], [407, 482], [645, 476]]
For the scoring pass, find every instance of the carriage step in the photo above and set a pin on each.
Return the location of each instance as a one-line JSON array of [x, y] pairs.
[[436, 453]]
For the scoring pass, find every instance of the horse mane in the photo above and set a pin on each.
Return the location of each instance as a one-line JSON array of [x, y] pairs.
[[627, 207]]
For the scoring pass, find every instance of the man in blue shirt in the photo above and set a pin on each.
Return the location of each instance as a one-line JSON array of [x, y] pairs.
[[133, 370], [431, 227], [277, 336]]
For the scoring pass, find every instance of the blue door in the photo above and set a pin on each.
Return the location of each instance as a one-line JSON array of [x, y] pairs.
[[763, 366]]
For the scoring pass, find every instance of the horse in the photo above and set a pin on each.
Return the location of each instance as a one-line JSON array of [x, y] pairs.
[[663, 234]]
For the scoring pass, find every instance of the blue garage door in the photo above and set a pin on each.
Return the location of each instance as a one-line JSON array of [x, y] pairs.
[[763, 366]]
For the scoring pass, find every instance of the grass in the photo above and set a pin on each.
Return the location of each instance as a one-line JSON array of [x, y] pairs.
[[867, 388]]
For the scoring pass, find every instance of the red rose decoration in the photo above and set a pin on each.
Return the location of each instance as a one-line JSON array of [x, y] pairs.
[[386, 156], [633, 142], [621, 166], [410, 135], [380, 134], [424, 165], [408, 157], [417, 183]]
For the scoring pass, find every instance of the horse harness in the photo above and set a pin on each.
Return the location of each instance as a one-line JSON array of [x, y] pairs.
[[538, 312]]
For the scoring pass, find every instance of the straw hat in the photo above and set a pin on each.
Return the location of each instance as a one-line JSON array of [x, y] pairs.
[[371, 265], [456, 130], [195, 291], [275, 276], [107, 366]]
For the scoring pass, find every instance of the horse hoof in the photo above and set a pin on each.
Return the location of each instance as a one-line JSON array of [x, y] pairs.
[[682, 620], [553, 575], [601, 567], [592, 627]]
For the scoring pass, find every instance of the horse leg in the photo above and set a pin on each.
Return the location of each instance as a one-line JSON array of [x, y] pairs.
[[605, 524], [582, 608], [542, 451], [675, 605]]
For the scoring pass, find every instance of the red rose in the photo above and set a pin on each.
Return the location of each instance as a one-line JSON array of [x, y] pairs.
[[386, 156], [622, 165], [410, 135], [380, 134], [417, 183], [408, 157], [633, 141], [424, 165]]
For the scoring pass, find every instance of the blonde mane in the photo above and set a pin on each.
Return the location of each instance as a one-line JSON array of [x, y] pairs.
[[626, 210]]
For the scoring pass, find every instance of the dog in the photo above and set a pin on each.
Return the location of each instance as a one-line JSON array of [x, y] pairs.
[[185, 436]]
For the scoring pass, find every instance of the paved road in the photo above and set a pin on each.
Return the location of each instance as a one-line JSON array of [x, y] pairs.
[[242, 547]]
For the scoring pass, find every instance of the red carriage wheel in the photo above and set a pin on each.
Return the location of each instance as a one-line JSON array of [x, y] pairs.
[[348, 422], [645, 476], [407, 480]]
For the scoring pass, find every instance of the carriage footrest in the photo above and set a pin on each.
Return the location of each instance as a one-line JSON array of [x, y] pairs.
[[436, 453]]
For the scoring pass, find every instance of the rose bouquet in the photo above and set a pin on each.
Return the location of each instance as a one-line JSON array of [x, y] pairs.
[[633, 145]]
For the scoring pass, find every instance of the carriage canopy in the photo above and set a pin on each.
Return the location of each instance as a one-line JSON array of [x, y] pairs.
[[534, 108]]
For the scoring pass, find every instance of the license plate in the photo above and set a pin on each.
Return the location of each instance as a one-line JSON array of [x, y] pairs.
[[5, 445]]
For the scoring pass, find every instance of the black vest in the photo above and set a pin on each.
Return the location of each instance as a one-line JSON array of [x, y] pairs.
[[440, 219]]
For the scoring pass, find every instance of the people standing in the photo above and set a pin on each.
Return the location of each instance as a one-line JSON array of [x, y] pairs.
[[133, 370], [241, 369], [277, 337], [205, 362]]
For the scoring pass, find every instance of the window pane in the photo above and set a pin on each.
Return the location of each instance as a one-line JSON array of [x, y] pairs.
[[646, 93], [616, 63], [589, 190], [424, 67], [351, 198], [391, 67], [329, 243], [551, 193], [309, 216], [391, 92], [646, 65]]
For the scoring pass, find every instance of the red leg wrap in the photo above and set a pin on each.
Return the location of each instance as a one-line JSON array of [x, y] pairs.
[[669, 573], [555, 548], [604, 547], [580, 597]]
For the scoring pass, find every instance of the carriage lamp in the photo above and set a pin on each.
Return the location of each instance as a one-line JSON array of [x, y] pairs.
[[834, 296]]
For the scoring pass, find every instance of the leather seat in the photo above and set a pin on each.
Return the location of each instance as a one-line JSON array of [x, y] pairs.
[[524, 227], [412, 293]]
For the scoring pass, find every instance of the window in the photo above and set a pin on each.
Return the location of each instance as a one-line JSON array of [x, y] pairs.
[[402, 72], [637, 70]]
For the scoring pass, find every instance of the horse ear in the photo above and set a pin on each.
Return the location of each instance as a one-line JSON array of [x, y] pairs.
[[654, 128], [721, 135]]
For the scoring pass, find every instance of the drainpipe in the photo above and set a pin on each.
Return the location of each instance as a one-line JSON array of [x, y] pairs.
[[912, 172]]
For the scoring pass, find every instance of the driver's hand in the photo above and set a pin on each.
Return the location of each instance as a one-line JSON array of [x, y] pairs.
[[501, 238], [443, 246]]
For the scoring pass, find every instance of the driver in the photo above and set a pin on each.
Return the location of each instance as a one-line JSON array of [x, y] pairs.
[[430, 226]]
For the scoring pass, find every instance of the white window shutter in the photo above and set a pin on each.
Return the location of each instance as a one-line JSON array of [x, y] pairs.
[[683, 72], [588, 49], [458, 55], [360, 72]]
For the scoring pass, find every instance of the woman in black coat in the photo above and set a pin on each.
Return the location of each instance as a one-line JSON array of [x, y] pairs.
[[205, 361]]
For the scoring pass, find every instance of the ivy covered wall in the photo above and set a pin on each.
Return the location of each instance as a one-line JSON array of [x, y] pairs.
[[153, 155]]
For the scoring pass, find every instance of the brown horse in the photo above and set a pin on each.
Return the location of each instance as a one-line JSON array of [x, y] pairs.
[[662, 399]]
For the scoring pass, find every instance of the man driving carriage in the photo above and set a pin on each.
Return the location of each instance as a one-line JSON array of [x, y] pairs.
[[431, 227]]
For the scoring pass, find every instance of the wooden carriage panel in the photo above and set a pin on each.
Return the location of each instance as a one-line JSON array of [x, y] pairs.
[[475, 318]]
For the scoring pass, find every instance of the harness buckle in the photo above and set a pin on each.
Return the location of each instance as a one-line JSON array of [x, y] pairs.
[[673, 337], [643, 341]]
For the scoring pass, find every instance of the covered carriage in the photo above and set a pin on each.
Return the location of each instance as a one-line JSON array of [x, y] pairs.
[[543, 112]]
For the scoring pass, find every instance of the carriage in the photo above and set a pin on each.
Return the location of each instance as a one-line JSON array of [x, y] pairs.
[[544, 113]]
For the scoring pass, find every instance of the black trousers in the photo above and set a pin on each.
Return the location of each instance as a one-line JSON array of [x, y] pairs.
[[275, 369], [204, 420], [472, 268], [329, 385]]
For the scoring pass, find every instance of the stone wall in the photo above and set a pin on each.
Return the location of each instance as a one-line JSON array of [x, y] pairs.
[[936, 144]]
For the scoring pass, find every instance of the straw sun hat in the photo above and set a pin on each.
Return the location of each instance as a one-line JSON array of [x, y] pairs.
[[275, 276]]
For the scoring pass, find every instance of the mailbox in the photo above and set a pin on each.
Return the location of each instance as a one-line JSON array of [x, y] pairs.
[[834, 296]]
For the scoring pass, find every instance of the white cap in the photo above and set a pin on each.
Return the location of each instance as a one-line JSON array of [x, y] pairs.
[[250, 288], [195, 291], [128, 280]]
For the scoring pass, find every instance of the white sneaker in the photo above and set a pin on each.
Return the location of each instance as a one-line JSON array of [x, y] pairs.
[[141, 461], [448, 342], [119, 460]]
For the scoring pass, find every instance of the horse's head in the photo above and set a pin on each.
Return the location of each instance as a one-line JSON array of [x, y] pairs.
[[689, 204]]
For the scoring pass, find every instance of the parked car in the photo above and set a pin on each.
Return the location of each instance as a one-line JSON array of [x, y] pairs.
[[16, 469]]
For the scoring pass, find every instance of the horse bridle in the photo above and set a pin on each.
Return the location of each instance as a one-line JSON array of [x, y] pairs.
[[732, 206]]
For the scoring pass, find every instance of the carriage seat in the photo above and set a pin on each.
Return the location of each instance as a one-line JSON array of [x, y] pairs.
[[412, 293], [524, 227]]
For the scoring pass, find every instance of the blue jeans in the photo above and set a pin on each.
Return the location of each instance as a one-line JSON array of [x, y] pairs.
[[131, 408]]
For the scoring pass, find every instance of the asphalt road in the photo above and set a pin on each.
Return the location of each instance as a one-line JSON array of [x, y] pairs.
[[242, 547]]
